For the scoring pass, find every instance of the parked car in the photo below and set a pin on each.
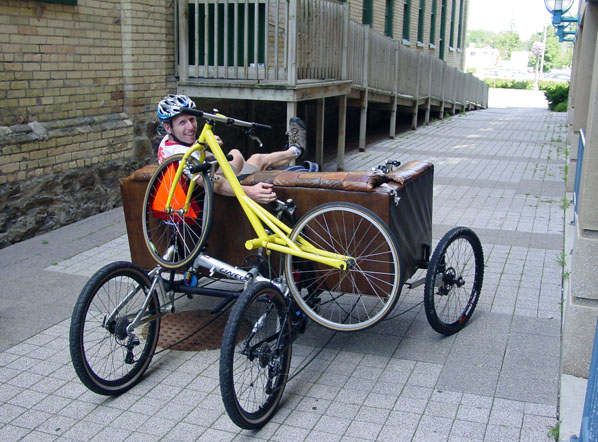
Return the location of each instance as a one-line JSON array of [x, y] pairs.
[[557, 76]]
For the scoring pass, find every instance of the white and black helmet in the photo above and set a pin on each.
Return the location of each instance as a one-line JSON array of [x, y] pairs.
[[170, 106]]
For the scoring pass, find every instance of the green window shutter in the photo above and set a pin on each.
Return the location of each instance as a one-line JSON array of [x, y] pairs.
[[406, 19], [460, 29], [420, 20], [452, 36], [433, 22], [367, 16], [442, 28], [388, 19]]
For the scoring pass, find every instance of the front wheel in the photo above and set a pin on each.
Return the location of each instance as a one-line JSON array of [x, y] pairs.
[[454, 280], [362, 295], [255, 356], [175, 236], [107, 356]]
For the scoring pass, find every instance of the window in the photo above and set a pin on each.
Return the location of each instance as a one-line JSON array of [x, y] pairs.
[[452, 36], [442, 28], [388, 19], [406, 19], [460, 29], [433, 23], [367, 15], [420, 21], [62, 2]]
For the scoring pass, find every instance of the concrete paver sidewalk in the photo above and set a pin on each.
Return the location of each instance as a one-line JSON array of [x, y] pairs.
[[498, 171]]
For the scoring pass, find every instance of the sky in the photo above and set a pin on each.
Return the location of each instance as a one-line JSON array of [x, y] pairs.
[[526, 16]]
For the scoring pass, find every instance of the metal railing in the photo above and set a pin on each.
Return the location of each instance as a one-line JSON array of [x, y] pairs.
[[580, 149], [589, 421]]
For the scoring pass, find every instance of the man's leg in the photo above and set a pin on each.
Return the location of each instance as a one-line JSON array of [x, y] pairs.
[[274, 160], [238, 161], [297, 149]]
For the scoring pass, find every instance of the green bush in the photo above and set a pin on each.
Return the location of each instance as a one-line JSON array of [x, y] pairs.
[[557, 94], [506, 83], [561, 107]]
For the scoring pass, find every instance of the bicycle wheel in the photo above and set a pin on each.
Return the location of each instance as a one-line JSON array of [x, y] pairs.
[[362, 295], [454, 280], [255, 356], [108, 359], [175, 238]]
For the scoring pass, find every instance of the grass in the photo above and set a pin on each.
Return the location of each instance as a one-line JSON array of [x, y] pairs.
[[554, 431], [562, 259], [565, 204]]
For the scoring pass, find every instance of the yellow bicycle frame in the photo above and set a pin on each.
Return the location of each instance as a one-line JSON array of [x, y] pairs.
[[258, 216]]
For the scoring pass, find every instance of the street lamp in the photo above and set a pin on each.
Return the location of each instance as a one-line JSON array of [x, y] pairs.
[[558, 8]]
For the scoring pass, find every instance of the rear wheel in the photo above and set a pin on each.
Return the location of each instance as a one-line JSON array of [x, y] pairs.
[[108, 357], [175, 237], [454, 280], [362, 295], [255, 356]]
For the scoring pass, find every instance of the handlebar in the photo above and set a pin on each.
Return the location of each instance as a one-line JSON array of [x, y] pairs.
[[204, 167], [226, 120]]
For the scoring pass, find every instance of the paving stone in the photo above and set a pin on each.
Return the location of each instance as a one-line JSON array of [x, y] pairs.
[[497, 379]]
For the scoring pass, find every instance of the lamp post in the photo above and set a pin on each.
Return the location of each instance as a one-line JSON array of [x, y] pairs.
[[537, 50], [558, 9]]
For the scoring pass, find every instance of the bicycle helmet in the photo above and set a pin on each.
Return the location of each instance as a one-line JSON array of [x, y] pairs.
[[170, 106]]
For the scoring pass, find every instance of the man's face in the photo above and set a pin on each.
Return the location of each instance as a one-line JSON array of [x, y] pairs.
[[184, 127]]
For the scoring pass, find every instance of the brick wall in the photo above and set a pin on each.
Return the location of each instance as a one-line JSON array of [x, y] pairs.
[[68, 70]]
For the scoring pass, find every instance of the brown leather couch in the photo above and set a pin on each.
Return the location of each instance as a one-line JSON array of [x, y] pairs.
[[402, 198]]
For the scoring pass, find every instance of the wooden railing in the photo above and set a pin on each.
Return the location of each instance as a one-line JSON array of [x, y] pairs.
[[287, 41]]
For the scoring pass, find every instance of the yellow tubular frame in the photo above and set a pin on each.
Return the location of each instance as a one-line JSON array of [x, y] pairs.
[[258, 216]]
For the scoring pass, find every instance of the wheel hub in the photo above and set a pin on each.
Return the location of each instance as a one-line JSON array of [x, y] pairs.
[[264, 355], [450, 280], [120, 329]]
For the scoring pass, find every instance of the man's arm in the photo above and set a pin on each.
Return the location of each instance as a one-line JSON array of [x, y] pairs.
[[260, 192]]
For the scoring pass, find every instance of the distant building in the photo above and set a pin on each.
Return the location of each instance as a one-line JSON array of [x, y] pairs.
[[479, 60]]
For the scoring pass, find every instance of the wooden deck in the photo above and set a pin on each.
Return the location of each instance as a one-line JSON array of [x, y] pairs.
[[298, 50]]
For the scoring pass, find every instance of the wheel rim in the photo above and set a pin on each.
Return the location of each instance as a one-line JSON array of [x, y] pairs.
[[352, 299], [110, 355], [174, 237], [258, 368], [456, 282]]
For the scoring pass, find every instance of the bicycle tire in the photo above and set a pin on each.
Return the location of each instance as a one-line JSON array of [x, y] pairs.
[[98, 349], [252, 381], [353, 299], [454, 280], [187, 232]]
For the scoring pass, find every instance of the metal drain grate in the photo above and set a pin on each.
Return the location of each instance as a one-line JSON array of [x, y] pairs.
[[178, 326]]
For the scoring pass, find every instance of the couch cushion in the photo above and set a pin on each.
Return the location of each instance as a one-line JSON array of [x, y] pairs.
[[362, 181]]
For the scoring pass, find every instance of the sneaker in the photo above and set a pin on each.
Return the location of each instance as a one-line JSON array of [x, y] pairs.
[[297, 136]]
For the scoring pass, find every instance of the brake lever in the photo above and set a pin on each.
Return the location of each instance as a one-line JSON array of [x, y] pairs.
[[256, 139]]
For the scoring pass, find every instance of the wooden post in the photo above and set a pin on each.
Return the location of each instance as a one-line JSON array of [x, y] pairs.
[[416, 94], [429, 104], [345, 58], [456, 76], [292, 54], [342, 126], [364, 97], [443, 90], [183, 41], [291, 111], [320, 132], [395, 91]]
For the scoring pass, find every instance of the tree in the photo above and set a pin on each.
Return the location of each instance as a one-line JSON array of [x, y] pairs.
[[505, 42], [557, 54]]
